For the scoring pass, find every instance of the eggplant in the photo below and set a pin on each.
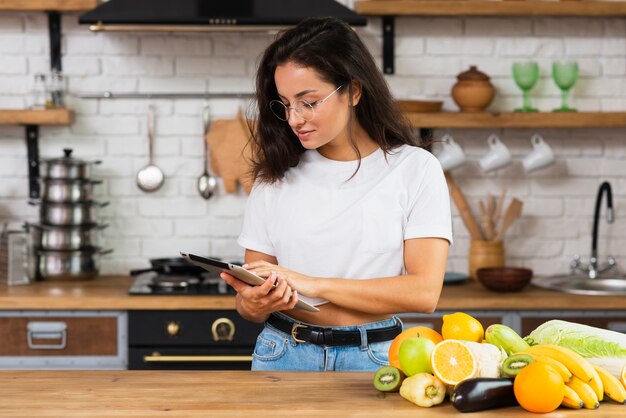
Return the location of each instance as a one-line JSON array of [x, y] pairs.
[[483, 393]]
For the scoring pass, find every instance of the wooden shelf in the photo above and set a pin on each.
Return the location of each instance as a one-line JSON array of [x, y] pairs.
[[36, 117], [518, 120], [48, 5], [491, 8]]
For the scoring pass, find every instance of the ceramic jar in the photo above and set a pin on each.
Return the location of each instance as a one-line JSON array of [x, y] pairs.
[[473, 91]]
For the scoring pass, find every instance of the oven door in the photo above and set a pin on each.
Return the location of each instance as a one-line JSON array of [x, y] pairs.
[[168, 358]]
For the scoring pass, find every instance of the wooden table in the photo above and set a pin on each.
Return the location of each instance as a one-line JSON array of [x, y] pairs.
[[224, 394], [111, 292]]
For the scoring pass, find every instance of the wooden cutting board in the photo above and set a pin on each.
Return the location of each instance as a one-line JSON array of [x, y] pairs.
[[231, 154]]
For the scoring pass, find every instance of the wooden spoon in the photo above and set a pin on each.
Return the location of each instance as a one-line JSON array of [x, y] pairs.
[[464, 209], [513, 211]]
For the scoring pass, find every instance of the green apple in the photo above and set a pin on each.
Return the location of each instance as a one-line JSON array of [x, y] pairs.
[[414, 355]]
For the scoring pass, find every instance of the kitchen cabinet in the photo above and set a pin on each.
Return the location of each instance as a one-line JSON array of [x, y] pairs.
[[63, 339]]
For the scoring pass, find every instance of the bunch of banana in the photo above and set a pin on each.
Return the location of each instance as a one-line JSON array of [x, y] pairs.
[[585, 383]]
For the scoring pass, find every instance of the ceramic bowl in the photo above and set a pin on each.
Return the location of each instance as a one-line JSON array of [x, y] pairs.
[[504, 279]]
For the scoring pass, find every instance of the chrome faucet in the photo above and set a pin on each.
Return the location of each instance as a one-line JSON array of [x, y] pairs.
[[593, 269]]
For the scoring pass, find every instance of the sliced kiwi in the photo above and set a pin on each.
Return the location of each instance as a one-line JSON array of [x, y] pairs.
[[514, 363], [388, 379]]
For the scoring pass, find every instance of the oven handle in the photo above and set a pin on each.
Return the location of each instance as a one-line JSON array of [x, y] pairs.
[[193, 359]]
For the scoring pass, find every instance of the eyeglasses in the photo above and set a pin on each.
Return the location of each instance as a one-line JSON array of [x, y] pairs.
[[303, 109]]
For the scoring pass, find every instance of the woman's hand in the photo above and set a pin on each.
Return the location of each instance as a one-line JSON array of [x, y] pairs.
[[305, 285], [260, 301]]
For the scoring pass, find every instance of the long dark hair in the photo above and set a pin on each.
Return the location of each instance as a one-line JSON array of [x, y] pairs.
[[336, 53]]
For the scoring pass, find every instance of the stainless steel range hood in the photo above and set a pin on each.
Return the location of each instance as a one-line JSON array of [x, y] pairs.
[[211, 15]]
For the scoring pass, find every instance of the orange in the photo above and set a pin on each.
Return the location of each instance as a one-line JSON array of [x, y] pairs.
[[539, 388], [461, 326], [413, 332], [452, 361]]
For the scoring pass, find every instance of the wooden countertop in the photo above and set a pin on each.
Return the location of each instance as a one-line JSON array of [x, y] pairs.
[[204, 394], [110, 293]]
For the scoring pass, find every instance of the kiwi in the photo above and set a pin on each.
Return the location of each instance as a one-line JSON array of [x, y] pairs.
[[516, 362], [388, 379]]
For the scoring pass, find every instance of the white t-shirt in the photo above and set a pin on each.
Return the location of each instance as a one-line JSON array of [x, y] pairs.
[[318, 223]]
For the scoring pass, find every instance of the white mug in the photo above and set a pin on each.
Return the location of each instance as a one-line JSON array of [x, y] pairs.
[[451, 154], [541, 156], [498, 155]]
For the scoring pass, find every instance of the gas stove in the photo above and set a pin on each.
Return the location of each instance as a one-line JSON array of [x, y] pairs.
[[153, 283]]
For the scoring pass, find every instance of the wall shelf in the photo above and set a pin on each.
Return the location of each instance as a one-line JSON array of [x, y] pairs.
[[48, 5], [491, 8], [36, 117], [518, 120]]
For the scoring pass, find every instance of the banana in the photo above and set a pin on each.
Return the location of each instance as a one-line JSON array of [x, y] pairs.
[[613, 388], [571, 399], [597, 384], [586, 393], [557, 365], [576, 364]]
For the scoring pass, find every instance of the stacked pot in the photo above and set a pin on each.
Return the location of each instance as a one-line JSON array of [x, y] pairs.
[[65, 240]]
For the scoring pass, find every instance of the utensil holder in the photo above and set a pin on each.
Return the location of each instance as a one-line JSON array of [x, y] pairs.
[[485, 254]]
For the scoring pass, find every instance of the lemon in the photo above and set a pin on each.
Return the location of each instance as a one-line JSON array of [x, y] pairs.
[[461, 326]]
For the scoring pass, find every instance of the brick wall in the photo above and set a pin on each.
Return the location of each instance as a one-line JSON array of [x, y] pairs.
[[430, 52]]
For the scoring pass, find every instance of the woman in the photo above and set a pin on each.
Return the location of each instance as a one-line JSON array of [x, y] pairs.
[[347, 212]]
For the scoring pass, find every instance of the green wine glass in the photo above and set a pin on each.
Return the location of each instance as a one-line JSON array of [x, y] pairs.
[[526, 75], [565, 75]]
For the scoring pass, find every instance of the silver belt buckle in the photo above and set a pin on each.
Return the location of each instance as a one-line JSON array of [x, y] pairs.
[[294, 330]]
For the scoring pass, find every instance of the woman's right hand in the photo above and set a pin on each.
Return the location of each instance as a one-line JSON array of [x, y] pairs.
[[258, 302]]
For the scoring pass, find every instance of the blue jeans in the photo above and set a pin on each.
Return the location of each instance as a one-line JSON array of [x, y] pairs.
[[276, 350]]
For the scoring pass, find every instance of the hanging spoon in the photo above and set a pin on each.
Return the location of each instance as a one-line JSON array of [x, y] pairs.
[[150, 178], [206, 182]]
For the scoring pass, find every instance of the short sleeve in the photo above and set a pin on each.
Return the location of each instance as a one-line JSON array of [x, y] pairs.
[[254, 234], [429, 211]]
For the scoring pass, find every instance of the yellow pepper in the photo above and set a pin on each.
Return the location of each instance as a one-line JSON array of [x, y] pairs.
[[423, 389]]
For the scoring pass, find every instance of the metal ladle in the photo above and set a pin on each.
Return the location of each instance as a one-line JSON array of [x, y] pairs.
[[206, 182], [150, 178]]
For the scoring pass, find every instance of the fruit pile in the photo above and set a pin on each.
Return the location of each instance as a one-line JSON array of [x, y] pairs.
[[493, 368]]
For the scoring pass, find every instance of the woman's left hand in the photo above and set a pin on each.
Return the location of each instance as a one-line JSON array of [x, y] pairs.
[[305, 285]]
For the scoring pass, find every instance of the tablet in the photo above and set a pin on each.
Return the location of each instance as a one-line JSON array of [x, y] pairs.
[[217, 266]]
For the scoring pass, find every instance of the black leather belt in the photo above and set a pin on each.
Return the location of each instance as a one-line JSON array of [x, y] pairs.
[[304, 333]]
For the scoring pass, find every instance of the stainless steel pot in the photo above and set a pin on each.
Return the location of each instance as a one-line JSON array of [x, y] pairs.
[[68, 190], [80, 237], [79, 213], [67, 167], [70, 265]]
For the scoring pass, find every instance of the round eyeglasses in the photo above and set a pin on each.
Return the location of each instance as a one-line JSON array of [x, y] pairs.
[[303, 109]]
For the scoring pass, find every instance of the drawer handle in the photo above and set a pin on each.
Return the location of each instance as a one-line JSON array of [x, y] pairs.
[[157, 358], [47, 331]]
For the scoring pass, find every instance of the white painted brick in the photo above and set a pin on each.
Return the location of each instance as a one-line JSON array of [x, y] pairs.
[[118, 125], [12, 102], [126, 247], [70, 24], [137, 66], [177, 45], [593, 167], [210, 66], [433, 66], [576, 47], [614, 47], [227, 205], [184, 167], [73, 66], [549, 267], [405, 87], [35, 44], [179, 125], [564, 187], [203, 227], [81, 106], [604, 86], [190, 107], [121, 166], [429, 26], [16, 207], [405, 46], [533, 247], [170, 208], [171, 247], [102, 83], [14, 187], [455, 46], [543, 208], [39, 64], [612, 105], [192, 146], [11, 43], [172, 84], [87, 44], [36, 23], [615, 27], [10, 22], [119, 208], [222, 84], [568, 26], [227, 249], [554, 228], [137, 107], [13, 84], [12, 167], [498, 26], [127, 145], [518, 47], [120, 44], [139, 227]]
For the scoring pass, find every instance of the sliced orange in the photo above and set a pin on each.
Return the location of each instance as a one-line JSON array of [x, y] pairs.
[[452, 361], [622, 376]]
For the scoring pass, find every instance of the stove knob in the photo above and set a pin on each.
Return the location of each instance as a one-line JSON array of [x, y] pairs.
[[173, 328]]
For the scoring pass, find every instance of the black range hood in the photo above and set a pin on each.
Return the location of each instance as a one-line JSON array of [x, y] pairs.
[[199, 15]]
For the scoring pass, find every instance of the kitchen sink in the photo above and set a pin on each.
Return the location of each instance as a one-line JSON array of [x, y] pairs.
[[610, 285]]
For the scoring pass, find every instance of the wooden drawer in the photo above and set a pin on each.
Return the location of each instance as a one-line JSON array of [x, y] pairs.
[[58, 336]]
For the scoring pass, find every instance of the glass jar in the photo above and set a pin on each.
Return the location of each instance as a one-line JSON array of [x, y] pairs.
[[39, 93], [57, 90]]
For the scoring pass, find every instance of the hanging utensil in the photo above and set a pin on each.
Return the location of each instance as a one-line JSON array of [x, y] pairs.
[[498, 209], [206, 182], [464, 210], [513, 211], [150, 178]]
